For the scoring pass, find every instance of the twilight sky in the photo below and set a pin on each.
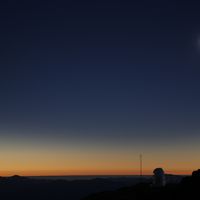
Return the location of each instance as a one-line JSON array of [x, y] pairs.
[[86, 86]]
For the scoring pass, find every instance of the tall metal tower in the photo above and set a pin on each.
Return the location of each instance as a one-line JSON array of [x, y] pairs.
[[141, 165]]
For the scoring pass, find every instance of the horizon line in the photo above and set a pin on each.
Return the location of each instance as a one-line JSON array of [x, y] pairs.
[[92, 173]]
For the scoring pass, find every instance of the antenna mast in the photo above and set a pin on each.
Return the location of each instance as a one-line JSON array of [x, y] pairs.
[[141, 165]]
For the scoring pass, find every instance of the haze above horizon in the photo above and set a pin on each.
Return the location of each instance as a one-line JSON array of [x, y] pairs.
[[86, 86]]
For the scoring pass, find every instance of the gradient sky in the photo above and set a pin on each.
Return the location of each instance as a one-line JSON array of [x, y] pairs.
[[86, 86]]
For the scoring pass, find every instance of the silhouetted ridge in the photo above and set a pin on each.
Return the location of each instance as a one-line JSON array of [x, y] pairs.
[[196, 173], [119, 188], [23, 188], [187, 188]]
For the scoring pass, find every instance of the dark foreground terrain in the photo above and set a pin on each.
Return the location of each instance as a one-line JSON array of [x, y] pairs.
[[188, 188], [22, 188]]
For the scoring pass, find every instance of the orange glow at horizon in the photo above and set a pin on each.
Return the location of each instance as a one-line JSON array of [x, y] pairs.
[[33, 159], [87, 172]]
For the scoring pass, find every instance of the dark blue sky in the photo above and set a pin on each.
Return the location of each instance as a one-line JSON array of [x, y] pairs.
[[111, 69]]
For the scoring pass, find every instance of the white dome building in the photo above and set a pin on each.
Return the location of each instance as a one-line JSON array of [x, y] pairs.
[[159, 177]]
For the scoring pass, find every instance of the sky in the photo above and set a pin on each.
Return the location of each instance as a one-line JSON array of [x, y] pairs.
[[87, 86]]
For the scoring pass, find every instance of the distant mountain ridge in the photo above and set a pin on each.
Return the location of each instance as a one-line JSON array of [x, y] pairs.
[[24, 188]]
